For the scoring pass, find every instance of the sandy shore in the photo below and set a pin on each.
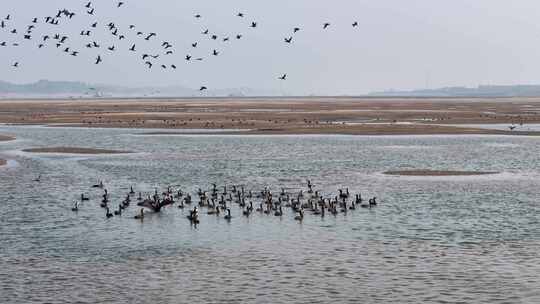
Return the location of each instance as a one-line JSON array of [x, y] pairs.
[[6, 137], [73, 150], [437, 173], [363, 116], [3, 162]]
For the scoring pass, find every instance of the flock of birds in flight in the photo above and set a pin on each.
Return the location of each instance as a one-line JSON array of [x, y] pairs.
[[218, 201], [149, 59]]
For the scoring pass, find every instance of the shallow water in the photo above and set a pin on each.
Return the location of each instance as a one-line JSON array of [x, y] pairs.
[[446, 239]]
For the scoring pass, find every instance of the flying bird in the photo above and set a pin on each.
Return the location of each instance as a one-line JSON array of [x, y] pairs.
[[284, 77], [203, 88], [355, 24], [326, 25], [98, 59]]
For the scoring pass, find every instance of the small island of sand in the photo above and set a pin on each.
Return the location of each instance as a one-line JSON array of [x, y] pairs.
[[437, 173], [73, 150], [6, 137]]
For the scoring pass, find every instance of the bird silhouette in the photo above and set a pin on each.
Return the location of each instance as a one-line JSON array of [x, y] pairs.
[[120, 4], [132, 48], [150, 36], [16, 65], [253, 24], [326, 25], [194, 44], [355, 24], [288, 40], [149, 64], [240, 15], [296, 29], [203, 88], [98, 59], [284, 77]]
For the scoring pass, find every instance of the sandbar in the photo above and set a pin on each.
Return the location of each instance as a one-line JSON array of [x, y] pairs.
[[437, 173], [73, 150]]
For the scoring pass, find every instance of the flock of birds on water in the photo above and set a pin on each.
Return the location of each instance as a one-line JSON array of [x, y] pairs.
[[130, 33], [218, 201]]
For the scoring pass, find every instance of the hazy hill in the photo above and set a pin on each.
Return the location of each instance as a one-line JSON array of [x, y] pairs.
[[480, 91], [46, 88]]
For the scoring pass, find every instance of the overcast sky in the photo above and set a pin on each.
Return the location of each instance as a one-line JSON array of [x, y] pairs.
[[398, 44]]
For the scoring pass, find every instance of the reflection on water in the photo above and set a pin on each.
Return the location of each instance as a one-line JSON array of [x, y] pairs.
[[447, 239]]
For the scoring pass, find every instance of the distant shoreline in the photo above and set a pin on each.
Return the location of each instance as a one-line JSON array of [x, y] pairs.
[[285, 115]]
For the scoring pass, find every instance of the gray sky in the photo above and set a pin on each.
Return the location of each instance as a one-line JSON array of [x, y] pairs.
[[398, 44]]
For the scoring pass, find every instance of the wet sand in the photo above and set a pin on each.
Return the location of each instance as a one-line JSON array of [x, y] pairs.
[[3, 162], [315, 115], [73, 150], [437, 173]]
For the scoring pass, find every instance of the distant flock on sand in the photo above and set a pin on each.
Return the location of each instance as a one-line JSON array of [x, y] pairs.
[[218, 201]]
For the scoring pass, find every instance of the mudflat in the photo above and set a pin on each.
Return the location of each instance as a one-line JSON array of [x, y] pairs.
[[6, 137], [73, 150], [437, 173], [310, 115]]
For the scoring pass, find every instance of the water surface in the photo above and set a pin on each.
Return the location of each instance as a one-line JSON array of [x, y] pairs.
[[446, 239]]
